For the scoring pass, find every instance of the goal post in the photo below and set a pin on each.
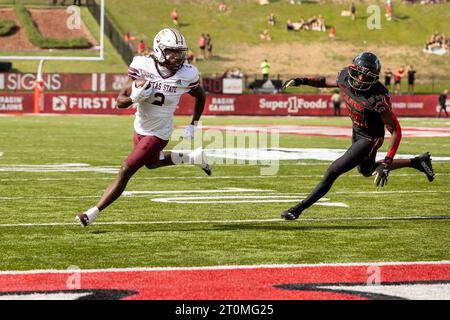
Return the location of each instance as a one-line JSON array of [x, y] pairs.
[[100, 57], [39, 83]]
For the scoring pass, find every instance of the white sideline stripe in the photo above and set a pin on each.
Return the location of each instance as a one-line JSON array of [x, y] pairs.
[[327, 204], [64, 224], [225, 190], [212, 177], [128, 196], [232, 267]]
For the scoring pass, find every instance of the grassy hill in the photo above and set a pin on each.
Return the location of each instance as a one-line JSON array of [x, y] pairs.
[[237, 32]]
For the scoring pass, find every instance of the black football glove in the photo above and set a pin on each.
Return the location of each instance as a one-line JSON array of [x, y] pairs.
[[381, 173], [295, 82]]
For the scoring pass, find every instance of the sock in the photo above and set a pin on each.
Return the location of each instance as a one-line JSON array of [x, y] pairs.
[[92, 213], [181, 158]]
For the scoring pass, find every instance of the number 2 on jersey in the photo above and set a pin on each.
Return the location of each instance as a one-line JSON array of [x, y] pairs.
[[159, 99]]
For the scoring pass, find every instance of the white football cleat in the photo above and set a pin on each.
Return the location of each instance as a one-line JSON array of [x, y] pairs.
[[88, 217], [198, 158]]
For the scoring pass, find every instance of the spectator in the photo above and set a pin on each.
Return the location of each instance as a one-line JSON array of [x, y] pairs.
[[388, 78], [271, 20], [223, 7], [313, 23], [290, 26], [389, 12], [303, 24], [174, 16], [322, 25], [265, 35], [332, 33], [237, 74], [265, 69], [129, 39], [353, 11], [190, 57], [202, 46], [398, 79], [209, 46], [225, 74], [336, 99], [438, 44], [411, 79], [141, 48], [442, 103]]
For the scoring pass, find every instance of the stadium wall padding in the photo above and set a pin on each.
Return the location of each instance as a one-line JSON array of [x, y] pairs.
[[216, 104]]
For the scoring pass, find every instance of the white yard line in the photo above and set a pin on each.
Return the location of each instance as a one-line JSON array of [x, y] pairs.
[[225, 190], [279, 220], [393, 174], [146, 194], [230, 267]]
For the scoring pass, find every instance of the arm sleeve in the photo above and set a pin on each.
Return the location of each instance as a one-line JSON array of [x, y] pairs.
[[391, 153]]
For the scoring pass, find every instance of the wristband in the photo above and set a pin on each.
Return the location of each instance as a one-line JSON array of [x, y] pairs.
[[388, 160]]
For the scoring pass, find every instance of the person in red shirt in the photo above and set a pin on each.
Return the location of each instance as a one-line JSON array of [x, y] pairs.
[[202, 45], [398, 79], [141, 48], [174, 16]]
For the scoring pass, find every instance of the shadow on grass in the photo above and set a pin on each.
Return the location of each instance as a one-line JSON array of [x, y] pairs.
[[293, 227], [282, 227]]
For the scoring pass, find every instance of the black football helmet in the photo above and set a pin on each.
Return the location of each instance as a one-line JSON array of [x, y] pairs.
[[364, 71]]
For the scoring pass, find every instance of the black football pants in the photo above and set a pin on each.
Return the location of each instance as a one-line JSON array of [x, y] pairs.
[[361, 154]]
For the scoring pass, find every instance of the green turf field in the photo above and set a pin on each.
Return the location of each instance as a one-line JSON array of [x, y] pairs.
[[207, 234]]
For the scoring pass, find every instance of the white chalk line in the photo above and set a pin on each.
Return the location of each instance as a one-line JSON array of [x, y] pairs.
[[205, 177], [230, 267], [279, 220], [293, 195]]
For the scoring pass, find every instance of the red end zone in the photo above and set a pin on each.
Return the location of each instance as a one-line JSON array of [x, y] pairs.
[[370, 281]]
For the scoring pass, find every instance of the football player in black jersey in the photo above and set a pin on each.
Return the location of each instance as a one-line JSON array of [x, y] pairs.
[[369, 105]]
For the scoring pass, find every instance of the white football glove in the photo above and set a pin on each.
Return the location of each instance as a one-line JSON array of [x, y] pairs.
[[189, 132], [140, 94]]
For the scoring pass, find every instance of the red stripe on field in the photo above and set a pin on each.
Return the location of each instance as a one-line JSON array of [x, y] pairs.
[[227, 284], [327, 131]]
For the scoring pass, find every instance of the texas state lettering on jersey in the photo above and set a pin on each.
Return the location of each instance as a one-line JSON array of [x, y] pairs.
[[154, 116], [365, 107]]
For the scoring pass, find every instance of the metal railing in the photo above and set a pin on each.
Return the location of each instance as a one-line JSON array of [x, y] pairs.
[[112, 32]]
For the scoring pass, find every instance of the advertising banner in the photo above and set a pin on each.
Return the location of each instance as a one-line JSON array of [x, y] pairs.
[[216, 104]]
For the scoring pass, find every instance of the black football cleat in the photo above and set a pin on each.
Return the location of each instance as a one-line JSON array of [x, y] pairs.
[[423, 164], [292, 213]]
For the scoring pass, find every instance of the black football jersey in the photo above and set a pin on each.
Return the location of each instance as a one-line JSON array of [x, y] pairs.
[[365, 107]]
